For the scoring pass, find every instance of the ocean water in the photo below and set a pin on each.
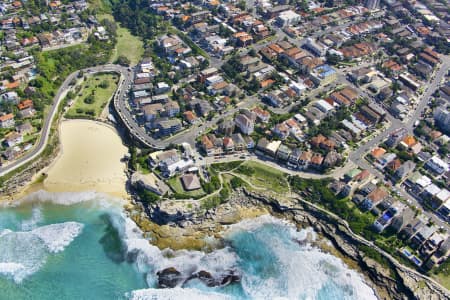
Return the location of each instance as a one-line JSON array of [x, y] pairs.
[[82, 246]]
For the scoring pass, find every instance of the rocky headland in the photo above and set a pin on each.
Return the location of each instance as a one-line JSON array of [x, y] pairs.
[[184, 225]]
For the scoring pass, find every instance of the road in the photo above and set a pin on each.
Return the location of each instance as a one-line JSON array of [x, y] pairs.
[[44, 136], [358, 155], [120, 105], [39, 147]]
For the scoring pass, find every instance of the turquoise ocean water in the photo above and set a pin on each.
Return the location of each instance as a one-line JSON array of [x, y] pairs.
[[82, 246]]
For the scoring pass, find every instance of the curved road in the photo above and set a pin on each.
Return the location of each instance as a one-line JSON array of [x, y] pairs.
[[120, 100], [44, 136], [40, 146], [120, 105]]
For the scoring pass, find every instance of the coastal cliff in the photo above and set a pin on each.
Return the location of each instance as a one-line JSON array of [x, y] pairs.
[[180, 227]]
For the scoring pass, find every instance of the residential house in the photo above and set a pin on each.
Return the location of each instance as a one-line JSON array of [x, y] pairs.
[[331, 159], [423, 234], [13, 138], [436, 165], [7, 121], [227, 127], [171, 109], [239, 143], [323, 75], [262, 114], [305, 159], [24, 128], [151, 111], [228, 144], [294, 157], [272, 148], [207, 146], [405, 170], [245, 124], [374, 197], [316, 161], [190, 117], [400, 220], [26, 108], [283, 152], [167, 126]]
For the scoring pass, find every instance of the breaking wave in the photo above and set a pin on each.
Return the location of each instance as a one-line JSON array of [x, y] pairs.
[[176, 293], [150, 259], [273, 258], [65, 198], [23, 253]]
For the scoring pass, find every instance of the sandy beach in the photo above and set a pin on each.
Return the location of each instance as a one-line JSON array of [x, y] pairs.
[[89, 160]]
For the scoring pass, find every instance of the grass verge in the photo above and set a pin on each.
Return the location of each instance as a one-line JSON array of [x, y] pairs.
[[94, 96]]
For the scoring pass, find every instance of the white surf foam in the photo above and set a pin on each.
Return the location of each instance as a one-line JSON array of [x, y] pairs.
[[251, 225], [9, 269], [58, 236], [24, 253], [36, 217], [21, 254], [176, 293], [299, 272], [151, 259], [66, 198]]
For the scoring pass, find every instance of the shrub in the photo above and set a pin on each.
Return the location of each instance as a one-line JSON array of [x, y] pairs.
[[89, 99]]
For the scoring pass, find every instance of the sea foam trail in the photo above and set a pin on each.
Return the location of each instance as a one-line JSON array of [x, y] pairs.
[[150, 259], [24, 253], [275, 265], [265, 251], [176, 293], [58, 236], [66, 199], [36, 217]]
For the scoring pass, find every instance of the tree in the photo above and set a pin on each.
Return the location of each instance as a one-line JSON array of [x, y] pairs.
[[123, 61], [104, 84], [89, 99], [241, 5]]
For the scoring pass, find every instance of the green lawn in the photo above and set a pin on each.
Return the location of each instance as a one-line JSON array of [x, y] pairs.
[[100, 5], [127, 45], [443, 279], [261, 175], [176, 185], [91, 88]]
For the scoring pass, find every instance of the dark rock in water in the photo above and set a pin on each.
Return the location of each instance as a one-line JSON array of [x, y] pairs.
[[131, 256], [206, 277], [230, 278], [169, 278], [210, 281]]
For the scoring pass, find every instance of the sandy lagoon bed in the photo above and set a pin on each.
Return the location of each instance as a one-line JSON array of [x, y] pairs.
[[89, 160]]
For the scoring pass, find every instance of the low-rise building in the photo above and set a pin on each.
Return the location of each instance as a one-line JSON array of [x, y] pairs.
[[7, 121], [323, 75], [245, 124]]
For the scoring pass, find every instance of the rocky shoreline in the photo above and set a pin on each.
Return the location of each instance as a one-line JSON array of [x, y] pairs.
[[14, 186], [181, 226]]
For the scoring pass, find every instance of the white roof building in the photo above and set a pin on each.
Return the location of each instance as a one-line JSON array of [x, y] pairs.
[[287, 18], [432, 189], [424, 181], [323, 105], [273, 146], [443, 195]]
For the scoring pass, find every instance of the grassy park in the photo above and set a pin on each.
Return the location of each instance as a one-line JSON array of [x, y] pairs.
[[91, 99], [127, 45], [263, 176]]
